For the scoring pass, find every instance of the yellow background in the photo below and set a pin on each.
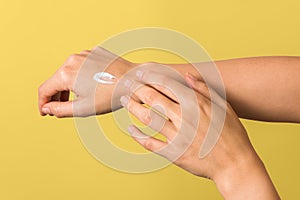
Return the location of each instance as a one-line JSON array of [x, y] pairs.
[[43, 158]]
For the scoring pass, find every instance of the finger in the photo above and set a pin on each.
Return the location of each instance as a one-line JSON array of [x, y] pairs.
[[164, 90], [166, 85], [149, 143], [149, 117], [153, 98], [203, 89], [185, 96], [59, 109], [48, 89], [197, 85]]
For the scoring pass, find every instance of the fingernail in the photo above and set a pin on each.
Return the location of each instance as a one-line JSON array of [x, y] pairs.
[[139, 74], [46, 110], [136, 134], [128, 83], [130, 130], [192, 77], [124, 100]]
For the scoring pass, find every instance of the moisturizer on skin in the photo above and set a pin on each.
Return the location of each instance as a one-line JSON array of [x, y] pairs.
[[105, 78]]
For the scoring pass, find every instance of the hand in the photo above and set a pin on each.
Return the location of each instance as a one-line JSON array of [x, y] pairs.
[[54, 92], [232, 164]]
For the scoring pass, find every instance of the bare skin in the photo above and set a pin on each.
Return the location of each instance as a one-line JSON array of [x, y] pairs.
[[262, 88], [231, 160], [54, 92]]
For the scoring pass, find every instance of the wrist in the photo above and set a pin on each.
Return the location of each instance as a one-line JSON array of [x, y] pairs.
[[119, 67], [247, 179]]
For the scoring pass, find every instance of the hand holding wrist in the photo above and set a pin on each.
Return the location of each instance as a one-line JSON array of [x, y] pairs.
[[232, 163]]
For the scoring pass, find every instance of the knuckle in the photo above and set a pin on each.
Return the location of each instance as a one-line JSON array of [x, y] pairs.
[[66, 72], [40, 89], [75, 58], [72, 58], [150, 96], [146, 118], [148, 144], [57, 111]]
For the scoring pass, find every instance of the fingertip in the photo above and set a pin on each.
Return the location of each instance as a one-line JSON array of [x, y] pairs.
[[136, 133], [130, 129], [41, 113], [46, 111], [190, 80], [191, 77], [58, 109], [124, 100]]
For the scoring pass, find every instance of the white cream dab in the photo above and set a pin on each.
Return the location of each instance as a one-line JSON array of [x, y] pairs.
[[105, 78]]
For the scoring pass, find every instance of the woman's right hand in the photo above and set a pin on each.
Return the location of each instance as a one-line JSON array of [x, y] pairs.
[[232, 164]]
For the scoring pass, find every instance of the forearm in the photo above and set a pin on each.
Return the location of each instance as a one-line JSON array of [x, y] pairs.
[[262, 88]]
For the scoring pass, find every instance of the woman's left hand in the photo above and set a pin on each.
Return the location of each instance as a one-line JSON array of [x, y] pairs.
[[232, 164]]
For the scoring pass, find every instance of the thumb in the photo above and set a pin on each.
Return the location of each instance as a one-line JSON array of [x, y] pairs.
[[59, 109], [210, 93], [198, 85]]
